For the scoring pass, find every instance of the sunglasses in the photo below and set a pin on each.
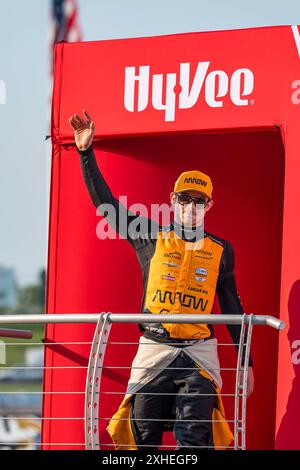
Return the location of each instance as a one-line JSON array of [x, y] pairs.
[[184, 198]]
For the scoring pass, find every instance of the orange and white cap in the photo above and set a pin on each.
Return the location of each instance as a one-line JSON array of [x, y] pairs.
[[194, 180]]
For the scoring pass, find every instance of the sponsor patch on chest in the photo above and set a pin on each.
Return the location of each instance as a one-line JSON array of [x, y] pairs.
[[171, 264], [168, 277], [201, 271]]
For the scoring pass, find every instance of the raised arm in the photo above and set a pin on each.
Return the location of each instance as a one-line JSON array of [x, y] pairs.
[[135, 228]]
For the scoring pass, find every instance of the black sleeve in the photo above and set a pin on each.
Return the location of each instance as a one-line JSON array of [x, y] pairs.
[[131, 226], [229, 299]]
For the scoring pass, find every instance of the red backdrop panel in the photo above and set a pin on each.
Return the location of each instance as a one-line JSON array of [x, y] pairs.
[[93, 275], [255, 171]]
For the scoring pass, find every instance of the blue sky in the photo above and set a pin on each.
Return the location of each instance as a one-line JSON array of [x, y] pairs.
[[24, 154]]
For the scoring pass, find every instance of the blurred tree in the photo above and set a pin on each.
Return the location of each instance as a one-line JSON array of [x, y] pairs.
[[31, 298], [42, 287]]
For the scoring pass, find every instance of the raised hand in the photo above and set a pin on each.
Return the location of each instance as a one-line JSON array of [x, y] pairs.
[[83, 130]]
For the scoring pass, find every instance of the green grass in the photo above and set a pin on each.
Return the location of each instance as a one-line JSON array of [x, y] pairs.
[[16, 354], [21, 387]]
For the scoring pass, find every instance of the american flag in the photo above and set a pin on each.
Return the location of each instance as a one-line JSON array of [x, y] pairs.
[[64, 27], [65, 21]]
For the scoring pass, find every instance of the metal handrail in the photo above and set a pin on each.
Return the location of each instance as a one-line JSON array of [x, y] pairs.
[[142, 318], [104, 322]]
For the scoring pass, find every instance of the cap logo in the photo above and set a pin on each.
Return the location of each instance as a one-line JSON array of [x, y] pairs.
[[195, 180]]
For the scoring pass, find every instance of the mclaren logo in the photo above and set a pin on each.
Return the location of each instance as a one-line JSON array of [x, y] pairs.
[[174, 254], [186, 300]]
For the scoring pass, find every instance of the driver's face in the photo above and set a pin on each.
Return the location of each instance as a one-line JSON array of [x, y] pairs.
[[194, 212]]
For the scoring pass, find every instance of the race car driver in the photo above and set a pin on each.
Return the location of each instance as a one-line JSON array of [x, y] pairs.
[[183, 266]]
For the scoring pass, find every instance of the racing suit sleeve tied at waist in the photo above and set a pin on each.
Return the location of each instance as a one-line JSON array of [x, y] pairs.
[[120, 429], [149, 365]]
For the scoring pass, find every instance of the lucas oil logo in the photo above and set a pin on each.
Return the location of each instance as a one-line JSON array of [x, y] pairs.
[[213, 86]]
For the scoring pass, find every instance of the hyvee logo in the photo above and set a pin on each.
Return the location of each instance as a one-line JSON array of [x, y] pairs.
[[215, 86]]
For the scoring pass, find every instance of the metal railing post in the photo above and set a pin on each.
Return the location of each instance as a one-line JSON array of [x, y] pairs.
[[93, 381], [244, 385], [237, 426]]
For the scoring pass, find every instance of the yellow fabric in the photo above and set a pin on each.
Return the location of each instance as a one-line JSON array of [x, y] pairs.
[[222, 435], [119, 427], [194, 180], [182, 279]]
